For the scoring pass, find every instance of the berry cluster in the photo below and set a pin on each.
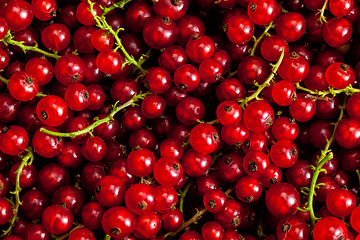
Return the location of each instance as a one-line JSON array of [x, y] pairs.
[[180, 119]]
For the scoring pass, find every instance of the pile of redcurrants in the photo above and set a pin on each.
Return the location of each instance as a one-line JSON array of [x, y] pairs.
[[180, 119]]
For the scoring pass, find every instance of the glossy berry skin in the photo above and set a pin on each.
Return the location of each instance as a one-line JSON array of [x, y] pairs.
[[91, 215], [110, 191], [232, 216], [189, 110], [214, 200], [285, 128], [230, 167], [160, 32], [84, 16], [229, 113], [256, 163], [258, 116], [45, 145], [109, 61], [330, 228], [199, 48], [299, 175], [13, 140], [70, 197], [248, 189], [262, 12], [52, 177], [294, 67], [158, 78], [196, 164], [292, 227], [4, 59], [171, 148], [347, 133], [355, 220], [77, 97], [291, 26], [102, 40], [230, 89], [52, 110], [44, 10], [94, 149], [27, 176], [189, 26], [118, 222], [187, 78], [124, 89], [165, 198], [272, 176], [4, 28], [341, 8], [190, 235], [147, 225], [352, 106], [57, 219], [253, 69], [153, 106], [284, 153], [22, 87], [140, 198], [339, 75], [272, 46], [337, 31], [284, 93], [69, 69], [172, 219], [210, 70], [56, 37], [282, 199], [340, 202], [18, 14], [204, 138], [173, 10], [212, 231], [141, 162], [82, 234], [235, 134], [239, 29], [6, 211], [40, 69], [168, 171], [303, 109]]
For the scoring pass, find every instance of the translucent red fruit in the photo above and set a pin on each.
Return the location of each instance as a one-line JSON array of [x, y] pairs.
[[291, 26], [109, 61], [340, 75], [118, 222], [239, 29], [340, 202], [294, 67], [13, 140], [347, 133], [168, 171], [204, 138], [52, 110], [258, 116], [303, 109], [282, 200], [337, 31], [229, 113], [44, 10], [330, 228], [262, 12], [77, 97], [56, 37], [57, 219], [22, 87], [18, 14]]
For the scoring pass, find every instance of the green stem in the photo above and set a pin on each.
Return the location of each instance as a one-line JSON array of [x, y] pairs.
[[183, 194], [107, 237], [120, 4], [322, 18], [65, 235], [358, 175], [102, 24], [9, 40], [349, 90], [4, 80], [325, 156], [258, 40], [27, 160], [243, 102], [115, 110]]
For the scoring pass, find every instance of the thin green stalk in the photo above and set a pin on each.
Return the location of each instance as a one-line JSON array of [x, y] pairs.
[[27, 160], [349, 90], [243, 102], [258, 40], [183, 194], [102, 24], [120, 5], [322, 17], [4, 80], [325, 156], [107, 119], [9, 40], [107, 237]]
